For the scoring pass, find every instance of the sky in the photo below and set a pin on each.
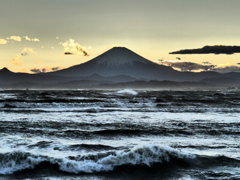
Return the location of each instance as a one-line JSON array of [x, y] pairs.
[[47, 35]]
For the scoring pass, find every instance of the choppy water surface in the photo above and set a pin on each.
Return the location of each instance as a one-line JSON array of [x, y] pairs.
[[103, 135]]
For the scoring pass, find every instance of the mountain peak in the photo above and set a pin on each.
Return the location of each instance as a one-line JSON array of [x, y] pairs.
[[5, 70], [119, 48], [120, 56]]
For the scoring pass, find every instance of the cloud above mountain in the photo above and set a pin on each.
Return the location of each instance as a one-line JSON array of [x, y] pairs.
[[45, 69], [31, 39], [3, 41], [226, 68], [73, 48], [16, 61], [186, 66], [68, 53], [197, 67], [27, 51], [15, 38], [218, 49], [191, 66], [18, 39]]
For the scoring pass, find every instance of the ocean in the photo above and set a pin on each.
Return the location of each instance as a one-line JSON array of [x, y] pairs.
[[119, 135]]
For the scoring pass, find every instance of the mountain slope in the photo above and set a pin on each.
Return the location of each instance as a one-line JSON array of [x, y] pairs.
[[119, 61]]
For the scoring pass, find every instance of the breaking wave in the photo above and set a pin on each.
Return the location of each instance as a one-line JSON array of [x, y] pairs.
[[127, 91], [92, 163]]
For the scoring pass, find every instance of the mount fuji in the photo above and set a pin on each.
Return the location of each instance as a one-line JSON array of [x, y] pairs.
[[119, 61]]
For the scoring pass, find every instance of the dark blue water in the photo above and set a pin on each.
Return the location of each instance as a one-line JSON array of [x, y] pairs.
[[125, 134]]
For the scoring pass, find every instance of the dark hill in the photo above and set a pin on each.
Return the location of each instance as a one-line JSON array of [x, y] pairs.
[[8, 77]]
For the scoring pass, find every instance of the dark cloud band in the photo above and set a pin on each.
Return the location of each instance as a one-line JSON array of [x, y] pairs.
[[221, 49]]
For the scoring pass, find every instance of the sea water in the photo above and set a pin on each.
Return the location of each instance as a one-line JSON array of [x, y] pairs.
[[119, 134]]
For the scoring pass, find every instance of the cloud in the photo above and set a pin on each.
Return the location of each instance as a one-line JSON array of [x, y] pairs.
[[3, 41], [56, 68], [81, 50], [27, 51], [36, 40], [205, 66], [206, 62], [31, 39], [190, 66], [45, 69], [186, 66], [73, 48], [16, 61], [218, 49], [18, 38], [35, 70], [15, 38], [226, 68], [68, 53]]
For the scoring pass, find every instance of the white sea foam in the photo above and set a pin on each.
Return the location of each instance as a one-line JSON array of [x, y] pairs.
[[90, 163], [7, 95], [17, 160], [144, 155], [127, 91]]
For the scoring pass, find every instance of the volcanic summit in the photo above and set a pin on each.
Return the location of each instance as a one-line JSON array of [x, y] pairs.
[[118, 61]]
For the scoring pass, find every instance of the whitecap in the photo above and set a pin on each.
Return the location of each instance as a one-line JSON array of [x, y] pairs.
[[97, 162], [127, 91]]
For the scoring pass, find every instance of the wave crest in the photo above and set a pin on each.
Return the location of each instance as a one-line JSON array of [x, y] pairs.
[[127, 91], [17, 160], [99, 162]]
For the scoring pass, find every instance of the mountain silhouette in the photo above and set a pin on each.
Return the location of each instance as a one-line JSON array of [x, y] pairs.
[[119, 61], [8, 77], [116, 66], [5, 71]]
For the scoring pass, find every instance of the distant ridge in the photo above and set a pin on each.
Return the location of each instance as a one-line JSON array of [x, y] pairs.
[[9, 77]]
